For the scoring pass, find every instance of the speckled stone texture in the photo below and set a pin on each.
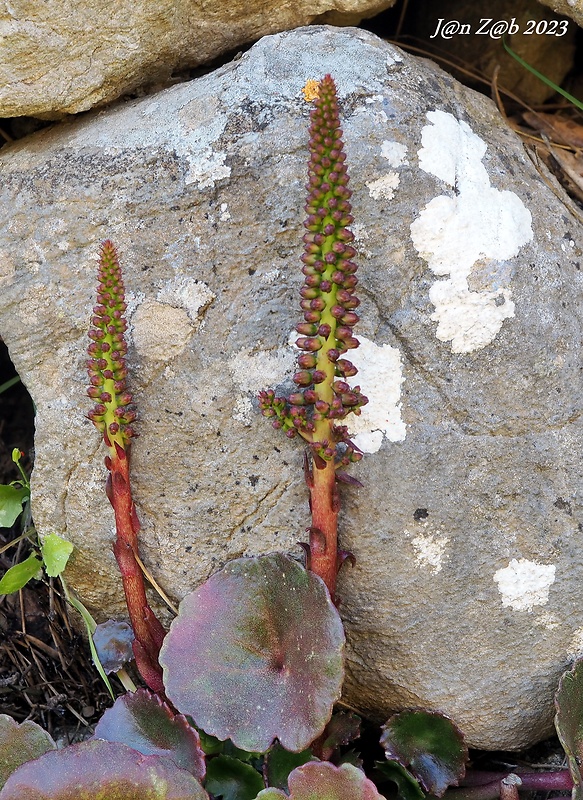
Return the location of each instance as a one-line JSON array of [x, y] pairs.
[[466, 594], [63, 56]]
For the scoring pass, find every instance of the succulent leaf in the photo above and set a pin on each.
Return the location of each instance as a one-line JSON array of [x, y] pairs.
[[112, 414]]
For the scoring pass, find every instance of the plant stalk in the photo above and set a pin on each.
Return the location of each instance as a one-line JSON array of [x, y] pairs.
[[148, 631], [324, 504]]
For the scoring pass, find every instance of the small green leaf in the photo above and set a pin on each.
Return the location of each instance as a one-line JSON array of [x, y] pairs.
[[231, 779], [11, 500], [19, 575], [210, 745], [569, 722], [429, 745], [279, 762], [56, 552], [407, 787]]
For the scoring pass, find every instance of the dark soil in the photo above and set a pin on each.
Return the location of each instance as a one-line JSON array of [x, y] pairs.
[[46, 673]]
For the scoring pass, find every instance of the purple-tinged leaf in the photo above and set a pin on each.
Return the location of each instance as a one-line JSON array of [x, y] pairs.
[[98, 770], [429, 746], [343, 728], [257, 653], [113, 642], [320, 780], [231, 779], [142, 721], [569, 722], [19, 744]]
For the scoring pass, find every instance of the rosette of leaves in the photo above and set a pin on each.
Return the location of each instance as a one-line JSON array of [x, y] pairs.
[[328, 300]]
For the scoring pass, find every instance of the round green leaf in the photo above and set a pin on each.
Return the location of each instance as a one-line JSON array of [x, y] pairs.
[[142, 721], [569, 722], [56, 552], [98, 770], [11, 500], [257, 653], [429, 745], [231, 779], [19, 744], [320, 780]]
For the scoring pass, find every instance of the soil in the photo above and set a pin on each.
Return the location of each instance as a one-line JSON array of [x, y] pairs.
[[46, 673]]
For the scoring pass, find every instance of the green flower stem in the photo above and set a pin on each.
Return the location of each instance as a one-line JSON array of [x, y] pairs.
[[112, 415]]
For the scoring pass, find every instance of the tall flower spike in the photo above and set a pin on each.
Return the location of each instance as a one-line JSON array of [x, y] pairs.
[[328, 301], [112, 414]]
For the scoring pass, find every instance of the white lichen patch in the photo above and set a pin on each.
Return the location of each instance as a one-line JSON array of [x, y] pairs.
[[477, 223], [160, 331], [253, 371], [394, 152], [384, 186], [192, 295], [380, 376], [430, 549], [243, 411], [184, 125], [525, 584]]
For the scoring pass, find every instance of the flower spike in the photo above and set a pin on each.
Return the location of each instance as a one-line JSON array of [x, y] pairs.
[[112, 414], [328, 301]]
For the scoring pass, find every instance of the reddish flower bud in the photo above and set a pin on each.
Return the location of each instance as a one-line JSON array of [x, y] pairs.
[[308, 343]]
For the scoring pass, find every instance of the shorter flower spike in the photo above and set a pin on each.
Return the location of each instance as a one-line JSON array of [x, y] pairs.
[[112, 414]]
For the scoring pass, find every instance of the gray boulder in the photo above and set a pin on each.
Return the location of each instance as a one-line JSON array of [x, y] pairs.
[[466, 594]]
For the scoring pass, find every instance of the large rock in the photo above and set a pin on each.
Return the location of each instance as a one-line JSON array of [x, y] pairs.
[[466, 595], [570, 8], [65, 57]]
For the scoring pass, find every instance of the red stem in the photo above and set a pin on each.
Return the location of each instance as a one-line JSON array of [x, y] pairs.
[[486, 786], [324, 504], [148, 631]]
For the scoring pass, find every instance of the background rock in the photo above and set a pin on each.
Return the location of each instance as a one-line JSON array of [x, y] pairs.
[[62, 58], [466, 595], [570, 8]]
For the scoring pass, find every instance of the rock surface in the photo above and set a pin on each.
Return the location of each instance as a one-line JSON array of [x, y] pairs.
[[466, 594], [62, 58], [570, 8]]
